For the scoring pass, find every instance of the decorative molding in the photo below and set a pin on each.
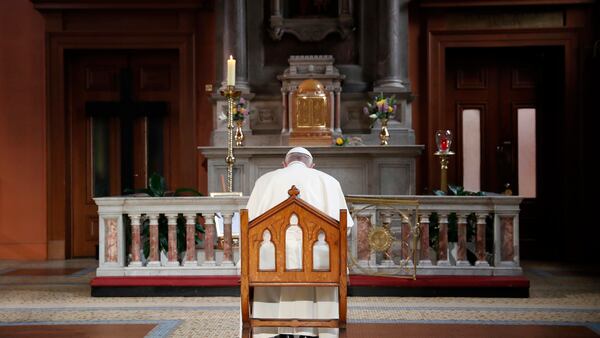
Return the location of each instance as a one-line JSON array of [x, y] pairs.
[[492, 3], [509, 18], [471, 80], [42, 5], [311, 28]]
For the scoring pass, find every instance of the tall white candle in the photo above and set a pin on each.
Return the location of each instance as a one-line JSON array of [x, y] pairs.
[[231, 71]]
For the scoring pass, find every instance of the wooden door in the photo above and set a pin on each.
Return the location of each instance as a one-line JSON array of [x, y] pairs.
[[513, 94], [115, 141]]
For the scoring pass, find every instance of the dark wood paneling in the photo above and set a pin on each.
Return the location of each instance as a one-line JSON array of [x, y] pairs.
[[122, 4], [440, 38], [62, 38], [471, 78], [121, 21], [522, 78], [155, 78], [101, 78]]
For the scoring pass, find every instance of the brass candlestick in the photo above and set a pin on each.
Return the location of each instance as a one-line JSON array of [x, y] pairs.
[[444, 159], [231, 95]]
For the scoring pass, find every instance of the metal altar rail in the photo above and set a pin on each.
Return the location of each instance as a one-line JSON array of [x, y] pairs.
[[392, 235]]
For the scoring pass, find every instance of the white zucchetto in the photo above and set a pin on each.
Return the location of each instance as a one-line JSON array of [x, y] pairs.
[[300, 150]]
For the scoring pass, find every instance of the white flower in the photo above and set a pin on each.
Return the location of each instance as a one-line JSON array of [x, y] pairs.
[[373, 116], [223, 117]]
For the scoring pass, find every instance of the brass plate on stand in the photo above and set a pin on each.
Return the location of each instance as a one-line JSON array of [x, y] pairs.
[[380, 239]]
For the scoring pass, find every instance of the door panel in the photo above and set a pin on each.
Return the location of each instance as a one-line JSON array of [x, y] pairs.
[[499, 82], [114, 150]]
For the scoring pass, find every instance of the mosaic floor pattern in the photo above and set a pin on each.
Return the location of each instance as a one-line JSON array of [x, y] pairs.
[[560, 295]]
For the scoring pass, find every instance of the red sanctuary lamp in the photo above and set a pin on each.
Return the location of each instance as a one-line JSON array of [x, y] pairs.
[[443, 141]]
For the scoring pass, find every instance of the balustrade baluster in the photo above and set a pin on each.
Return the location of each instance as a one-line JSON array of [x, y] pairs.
[[424, 259], [190, 240], [209, 238], [461, 251], [443, 241], [480, 245], [386, 220], [135, 241], [154, 260], [172, 240], [227, 240], [406, 242]]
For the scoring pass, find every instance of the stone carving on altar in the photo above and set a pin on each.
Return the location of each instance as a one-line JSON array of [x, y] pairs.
[[311, 88]]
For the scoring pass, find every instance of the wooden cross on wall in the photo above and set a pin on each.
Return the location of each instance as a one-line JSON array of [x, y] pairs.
[[126, 108]]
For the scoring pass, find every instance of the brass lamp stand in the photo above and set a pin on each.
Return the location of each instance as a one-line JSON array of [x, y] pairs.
[[444, 159], [443, 140], [231, 95]]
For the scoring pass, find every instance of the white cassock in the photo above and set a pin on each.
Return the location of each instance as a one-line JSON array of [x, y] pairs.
[[323, 192]]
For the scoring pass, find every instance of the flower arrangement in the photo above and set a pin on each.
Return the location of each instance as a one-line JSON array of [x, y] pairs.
[[381, 108], [240, 110], [341, 141]]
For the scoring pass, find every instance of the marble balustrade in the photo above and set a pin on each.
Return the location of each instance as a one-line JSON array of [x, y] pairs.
[[468, 256]]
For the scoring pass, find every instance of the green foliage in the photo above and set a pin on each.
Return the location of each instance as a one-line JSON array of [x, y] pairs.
[[157, 187], [456, 190], [163, 234], [434, 228]]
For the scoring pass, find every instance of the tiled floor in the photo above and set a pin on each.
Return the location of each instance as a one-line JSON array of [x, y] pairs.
[[58, 293]]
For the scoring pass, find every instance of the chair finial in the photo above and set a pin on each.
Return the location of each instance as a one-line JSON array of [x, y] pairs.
[[293, 191]]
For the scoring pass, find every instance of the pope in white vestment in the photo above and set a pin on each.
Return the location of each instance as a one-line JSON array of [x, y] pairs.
[[323, 192]]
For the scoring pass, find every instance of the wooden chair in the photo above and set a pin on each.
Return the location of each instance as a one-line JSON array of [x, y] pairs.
[[312, 222]]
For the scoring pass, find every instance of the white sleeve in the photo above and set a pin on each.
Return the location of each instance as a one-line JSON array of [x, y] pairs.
[[343, 205]]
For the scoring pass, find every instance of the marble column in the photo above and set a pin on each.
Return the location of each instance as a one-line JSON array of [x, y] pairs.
[[461, 252], [507, 225], [405, 250], [364, 226], [190, 240], [234, 42], [424, 254], [135, 241], [209, 237], [227, 240], [480, 244], [388, 256], [392, 47], [443, 241], [338, 111], [172, 239], [153, 260]]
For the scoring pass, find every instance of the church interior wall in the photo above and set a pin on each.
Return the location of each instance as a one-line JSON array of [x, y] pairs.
[[567, 24], [188, 27], [23, 198], [206, 75], [24, 148]]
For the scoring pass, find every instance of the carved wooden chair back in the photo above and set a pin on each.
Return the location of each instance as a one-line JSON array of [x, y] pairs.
[[321, 241]]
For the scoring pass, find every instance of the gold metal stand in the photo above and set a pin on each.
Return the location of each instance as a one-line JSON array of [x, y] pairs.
[[231, 95], [444, 168]]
